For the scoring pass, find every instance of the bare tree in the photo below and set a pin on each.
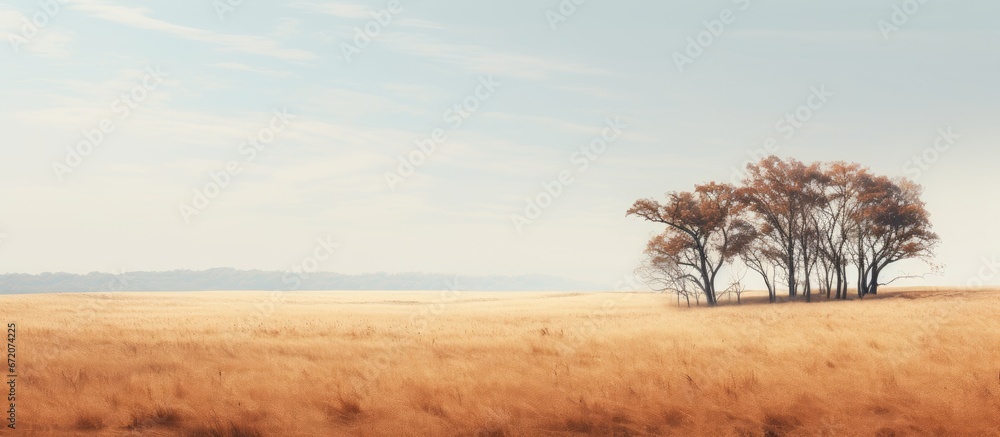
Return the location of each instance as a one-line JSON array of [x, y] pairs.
[[736, 286], [760, 258], [666, 277]]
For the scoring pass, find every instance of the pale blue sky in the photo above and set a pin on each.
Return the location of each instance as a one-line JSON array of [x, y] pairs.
[[325, 173]]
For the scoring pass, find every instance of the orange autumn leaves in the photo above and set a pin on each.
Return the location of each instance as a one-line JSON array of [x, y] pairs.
[[801, 225]]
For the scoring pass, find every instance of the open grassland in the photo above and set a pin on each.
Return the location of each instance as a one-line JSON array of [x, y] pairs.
[[918, 362]]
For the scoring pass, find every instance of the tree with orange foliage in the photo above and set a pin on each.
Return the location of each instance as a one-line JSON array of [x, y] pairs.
[[837, 219], [704, 231], [783, 194], [803, 222], [893, 225]]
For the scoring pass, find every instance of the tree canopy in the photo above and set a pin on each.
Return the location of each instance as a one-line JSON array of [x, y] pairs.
[[792, 223]]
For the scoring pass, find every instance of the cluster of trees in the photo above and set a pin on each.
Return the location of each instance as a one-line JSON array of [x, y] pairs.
[[803, 226]]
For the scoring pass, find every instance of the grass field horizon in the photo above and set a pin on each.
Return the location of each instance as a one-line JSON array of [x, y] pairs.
[[756, 219], [916, 361]]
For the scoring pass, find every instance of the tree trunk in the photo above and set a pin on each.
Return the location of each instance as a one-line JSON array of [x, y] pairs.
[[843, 274], [709, 294], [873, 288], [706, 279], [840, 281], [772, 294], [790, 266], [862, 279], [806, 274], [862, 272], [829, 284]]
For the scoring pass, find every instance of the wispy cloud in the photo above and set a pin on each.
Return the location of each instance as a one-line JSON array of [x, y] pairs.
[[485, 60], [48, 42], [592, 91], [243, 67], [10, 20], [346, 104], [342, 10], [410, 91], [287, 28], [52, 43], [811, 35], [421, 24], [139, 18], [548, 122]]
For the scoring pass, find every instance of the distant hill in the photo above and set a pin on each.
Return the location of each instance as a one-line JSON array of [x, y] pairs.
[[233, 279]]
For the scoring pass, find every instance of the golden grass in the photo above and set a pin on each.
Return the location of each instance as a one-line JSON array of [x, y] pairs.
[[492, 364]]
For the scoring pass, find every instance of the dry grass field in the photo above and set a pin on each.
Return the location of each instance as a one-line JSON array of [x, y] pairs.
[[918, 362]]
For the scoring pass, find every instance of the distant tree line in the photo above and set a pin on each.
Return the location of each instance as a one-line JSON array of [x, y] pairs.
[[234, 279], [811, 228]]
